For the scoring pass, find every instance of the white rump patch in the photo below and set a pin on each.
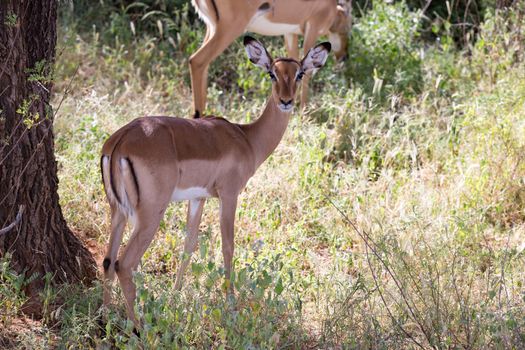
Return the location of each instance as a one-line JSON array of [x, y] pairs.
[[107, 183], [261, 25], [189, 193], [125, 207]]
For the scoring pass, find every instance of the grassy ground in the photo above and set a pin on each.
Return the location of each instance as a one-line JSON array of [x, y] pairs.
[[390, 216]]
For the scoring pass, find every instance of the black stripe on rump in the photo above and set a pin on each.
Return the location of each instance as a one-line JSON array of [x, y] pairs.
[[215, 8], [135, 180]]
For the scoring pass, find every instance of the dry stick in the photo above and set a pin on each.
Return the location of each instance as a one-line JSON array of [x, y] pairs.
[[66, 92], [376, 283], [459, 297], [8, 228], [3, 91], [425, 8], [13, 146], [435, 291], [367, 239], [465, 19]]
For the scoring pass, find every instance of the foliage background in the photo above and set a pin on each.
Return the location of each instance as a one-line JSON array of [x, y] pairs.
[[391, 215]]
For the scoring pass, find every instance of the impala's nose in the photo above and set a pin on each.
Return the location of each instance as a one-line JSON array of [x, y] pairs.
[[285, 106], [286, 103]]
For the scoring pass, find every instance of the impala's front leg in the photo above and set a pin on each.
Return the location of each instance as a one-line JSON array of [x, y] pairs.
[[214, 44], [190, 243], [292, 45], [228, 205]]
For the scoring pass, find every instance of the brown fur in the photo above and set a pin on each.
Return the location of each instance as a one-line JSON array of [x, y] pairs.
[[151, 157]]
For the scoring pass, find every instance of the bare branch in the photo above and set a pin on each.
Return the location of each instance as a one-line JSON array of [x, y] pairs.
[[18, 218], [370, 244]]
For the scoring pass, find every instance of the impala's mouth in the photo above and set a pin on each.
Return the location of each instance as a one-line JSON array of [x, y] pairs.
[[285, 107]]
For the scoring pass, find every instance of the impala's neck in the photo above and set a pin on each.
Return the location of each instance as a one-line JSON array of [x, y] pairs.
[[267, 131]]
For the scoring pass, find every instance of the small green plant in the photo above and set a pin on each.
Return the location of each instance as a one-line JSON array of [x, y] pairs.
[[24, 110], [10, 19], [40, 73], [12, 296]]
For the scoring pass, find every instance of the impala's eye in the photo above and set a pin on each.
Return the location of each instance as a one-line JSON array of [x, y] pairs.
[[272, 76], [299, 76]]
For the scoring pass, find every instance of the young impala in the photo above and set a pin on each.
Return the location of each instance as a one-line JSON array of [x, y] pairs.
[[226, 20], [155, 160]]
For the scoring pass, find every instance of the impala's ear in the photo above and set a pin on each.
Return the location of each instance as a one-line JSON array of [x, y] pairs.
[[316, 57], [257, 53]]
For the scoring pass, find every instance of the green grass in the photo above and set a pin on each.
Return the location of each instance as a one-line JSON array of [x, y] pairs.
[[433, 177]]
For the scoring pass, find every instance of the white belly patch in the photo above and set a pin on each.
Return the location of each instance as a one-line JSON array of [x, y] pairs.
[[189, 193], [261, 25]]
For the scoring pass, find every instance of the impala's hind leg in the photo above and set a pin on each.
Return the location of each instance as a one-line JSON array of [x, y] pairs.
[[118, 223], [143, 233], [192, 239]]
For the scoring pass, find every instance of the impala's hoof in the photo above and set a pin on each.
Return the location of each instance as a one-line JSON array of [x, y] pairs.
[[136, 332]]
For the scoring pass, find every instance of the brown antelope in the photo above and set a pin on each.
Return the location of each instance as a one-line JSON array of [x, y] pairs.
[[226, 20], [153, 161]]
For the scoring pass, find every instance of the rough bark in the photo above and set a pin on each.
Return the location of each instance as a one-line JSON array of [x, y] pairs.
[[41, 242]]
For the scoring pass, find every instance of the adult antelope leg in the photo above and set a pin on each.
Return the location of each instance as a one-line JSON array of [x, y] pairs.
[[310, 37], [147, 225], [215, 44], [192, 238], [228, 205], [291, 42], [118, 223]]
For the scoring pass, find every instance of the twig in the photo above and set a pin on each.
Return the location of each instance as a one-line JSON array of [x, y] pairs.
[[425, 8], [367, 239], [18, 218]]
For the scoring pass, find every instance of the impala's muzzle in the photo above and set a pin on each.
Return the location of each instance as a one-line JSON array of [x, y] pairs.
[[285, 106]]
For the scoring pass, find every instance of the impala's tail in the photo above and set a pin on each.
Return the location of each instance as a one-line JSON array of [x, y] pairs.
[[120, 183], [122, 190]]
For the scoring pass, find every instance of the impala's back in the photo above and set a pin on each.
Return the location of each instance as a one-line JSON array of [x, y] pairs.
[[180, 159]]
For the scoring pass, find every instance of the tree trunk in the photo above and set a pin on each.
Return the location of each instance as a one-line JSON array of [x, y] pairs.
[[41, 242]]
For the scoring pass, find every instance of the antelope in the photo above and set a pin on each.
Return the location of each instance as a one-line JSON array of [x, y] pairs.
[[153, 161], [226, 20]]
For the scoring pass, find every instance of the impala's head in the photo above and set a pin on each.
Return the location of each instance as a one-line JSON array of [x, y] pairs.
[[338, 32], [286, 73]]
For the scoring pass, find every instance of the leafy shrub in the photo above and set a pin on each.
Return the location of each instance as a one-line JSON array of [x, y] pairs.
[[383, 54], [11, 291]]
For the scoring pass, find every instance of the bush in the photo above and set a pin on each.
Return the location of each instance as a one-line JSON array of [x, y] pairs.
[[383, 53]]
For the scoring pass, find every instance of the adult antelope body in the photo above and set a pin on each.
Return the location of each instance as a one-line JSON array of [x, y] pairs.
[[226, 20], [155, 160]]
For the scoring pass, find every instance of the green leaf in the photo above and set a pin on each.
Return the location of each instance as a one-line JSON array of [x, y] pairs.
[[279, 286]]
